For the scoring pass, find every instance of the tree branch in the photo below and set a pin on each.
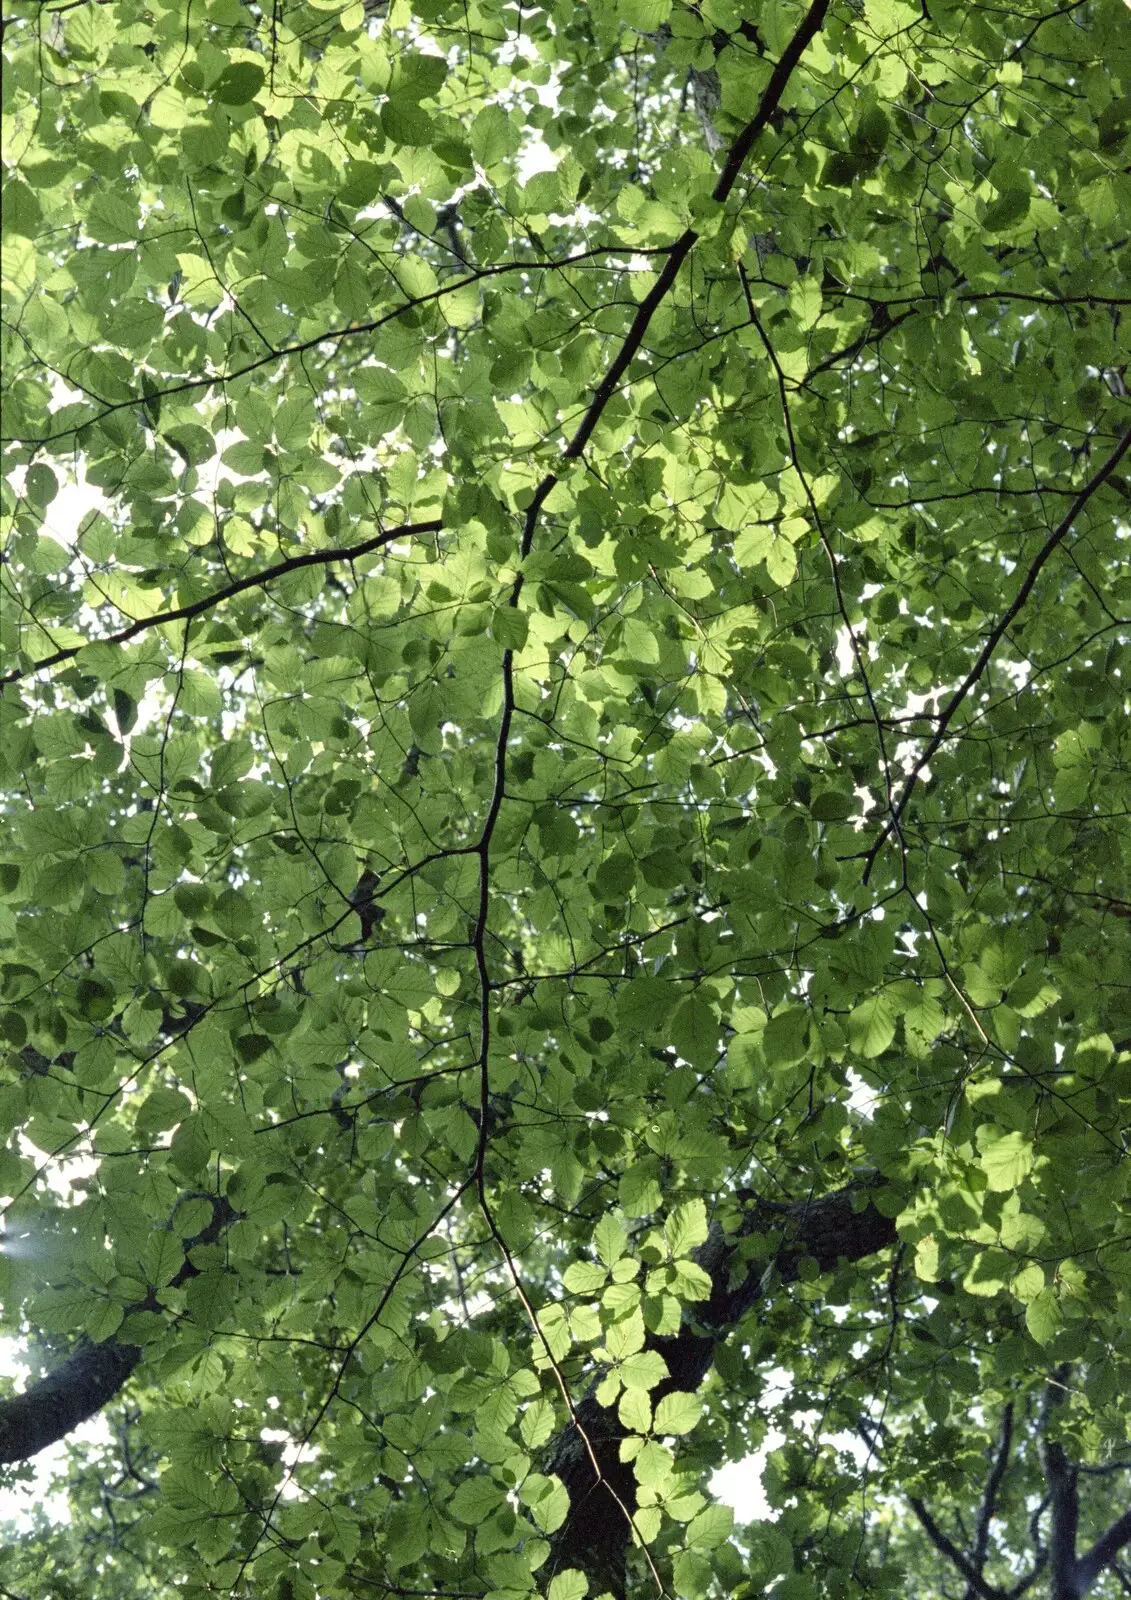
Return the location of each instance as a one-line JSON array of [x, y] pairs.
[[1023, 1585], [47, 1411], [1064, 1506], [253, 580], [946, 1546], [993, 639], [990, 1493], [350, 331], [1103, 1552]]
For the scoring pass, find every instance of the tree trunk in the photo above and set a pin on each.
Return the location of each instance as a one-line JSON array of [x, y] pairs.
[[92, 1374], [47, 1411], [596, 1534]]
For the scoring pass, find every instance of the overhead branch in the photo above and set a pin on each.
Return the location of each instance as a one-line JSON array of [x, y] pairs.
[[602, 1489], [677, 254], [990, 1492], [47, 1411], [252, 580], [1023, 1585], [1103, 1552], [993, 639], [352, 330], [825, 1229], [957, 1558]]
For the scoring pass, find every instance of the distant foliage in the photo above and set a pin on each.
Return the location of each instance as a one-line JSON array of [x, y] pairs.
[[565, 767]]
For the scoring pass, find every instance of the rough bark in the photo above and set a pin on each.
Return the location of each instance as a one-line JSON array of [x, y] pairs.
[[47, 1411], [844, 1225], [1060, 1475]]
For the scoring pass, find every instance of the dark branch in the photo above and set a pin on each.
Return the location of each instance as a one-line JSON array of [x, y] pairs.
[[947, 1547], [1103, 1552], [253, 580], [48, 1410], [990, 1493], [993, 639], [602, 1489], [352, 330], [771, 97], [1064, 1506]]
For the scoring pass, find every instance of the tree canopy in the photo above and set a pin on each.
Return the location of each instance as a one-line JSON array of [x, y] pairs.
[[565, 856]]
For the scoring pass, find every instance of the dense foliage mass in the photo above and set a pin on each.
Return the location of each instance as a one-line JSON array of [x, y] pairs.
[[565, 778]]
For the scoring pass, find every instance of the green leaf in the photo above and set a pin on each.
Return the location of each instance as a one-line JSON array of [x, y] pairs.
[[832, 806], [21, 212], [491, 136], [693, 1574], [568, 1585], [1006, 1158], [193, 445], [537, 1423], [239, 83], [872, 131], [871, 1025], [645, 15], [509, 627], [164, 1257], [643, 1371], [927, 1259], [1011, 207], [711, 1527], [583, 1277], [547, 1501], [690, 1282], [678, 1413], [644, 1003], [635, 1410], [563, 747], [686, 1228], [694, 1031], [639, 1190], [625, 1338], [163, 1108], [610, 1239], [785, 1039], [805, 301], [639, 641], [113, 219], [475, 1499], [1042, 1316]]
